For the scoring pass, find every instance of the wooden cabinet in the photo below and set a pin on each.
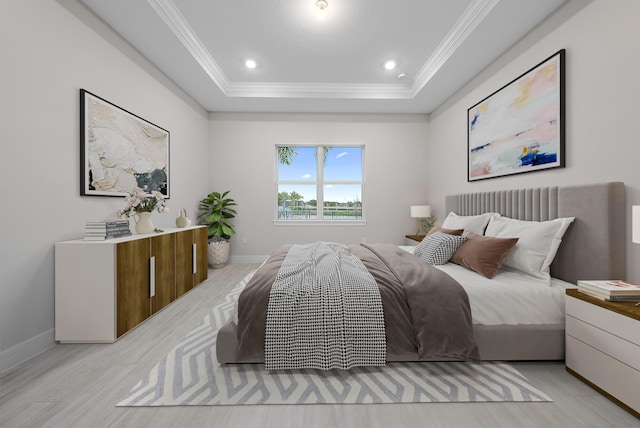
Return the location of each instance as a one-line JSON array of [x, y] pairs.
[[132, 284], [164, 263], [603, 346], [104, 289], [191, 259], [201, 252]]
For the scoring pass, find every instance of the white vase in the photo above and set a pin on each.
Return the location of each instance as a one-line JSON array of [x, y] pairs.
[[143, 223], [218, 254], [182, 220]]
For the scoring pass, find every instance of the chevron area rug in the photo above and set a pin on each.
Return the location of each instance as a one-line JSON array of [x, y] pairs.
[[191, 375]]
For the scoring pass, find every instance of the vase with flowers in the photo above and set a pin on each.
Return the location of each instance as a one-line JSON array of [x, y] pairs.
[[140, 205]]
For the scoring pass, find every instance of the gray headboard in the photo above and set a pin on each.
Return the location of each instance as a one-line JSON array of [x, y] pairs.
[[594, 246]]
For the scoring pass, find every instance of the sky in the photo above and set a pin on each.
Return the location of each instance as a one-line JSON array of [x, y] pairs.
[[343, 163]]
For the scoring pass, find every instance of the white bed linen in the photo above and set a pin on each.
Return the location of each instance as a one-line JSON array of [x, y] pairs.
[[511, 297]]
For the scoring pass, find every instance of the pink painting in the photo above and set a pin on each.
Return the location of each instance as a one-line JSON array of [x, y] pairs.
[[520, 127]]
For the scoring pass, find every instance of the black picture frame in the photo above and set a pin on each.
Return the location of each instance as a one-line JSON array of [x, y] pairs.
[[120, 150], [520, 127]]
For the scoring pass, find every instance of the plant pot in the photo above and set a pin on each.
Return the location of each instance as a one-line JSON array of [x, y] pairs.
[[218, 254]]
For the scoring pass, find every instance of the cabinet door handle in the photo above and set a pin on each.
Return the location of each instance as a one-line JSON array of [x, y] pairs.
[[194, 257], [152, 276]]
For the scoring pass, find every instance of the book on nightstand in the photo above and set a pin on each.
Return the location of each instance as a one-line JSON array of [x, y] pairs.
[[610, 290]]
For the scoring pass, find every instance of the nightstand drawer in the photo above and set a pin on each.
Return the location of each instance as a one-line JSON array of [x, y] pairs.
[[609, 344], [619, 325], [616, 378]]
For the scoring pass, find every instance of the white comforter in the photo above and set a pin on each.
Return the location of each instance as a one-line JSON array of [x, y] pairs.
[[511, 297]]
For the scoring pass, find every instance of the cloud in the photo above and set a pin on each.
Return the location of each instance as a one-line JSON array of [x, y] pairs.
[[306, 176], [339, 155]]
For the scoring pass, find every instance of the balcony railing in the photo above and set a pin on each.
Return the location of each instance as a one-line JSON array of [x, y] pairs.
[[311, 213]]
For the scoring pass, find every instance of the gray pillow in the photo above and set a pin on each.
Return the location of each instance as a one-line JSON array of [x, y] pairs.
[[437, 248]]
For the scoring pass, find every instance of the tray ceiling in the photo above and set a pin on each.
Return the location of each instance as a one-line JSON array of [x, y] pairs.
[[335, 64]]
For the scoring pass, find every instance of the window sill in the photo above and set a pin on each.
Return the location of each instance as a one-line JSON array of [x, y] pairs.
[[320, 222]]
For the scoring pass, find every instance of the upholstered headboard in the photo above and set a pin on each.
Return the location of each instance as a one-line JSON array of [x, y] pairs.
[[594, 246]]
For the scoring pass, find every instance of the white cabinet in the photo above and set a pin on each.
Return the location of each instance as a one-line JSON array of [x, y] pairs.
[[603, 346], [103, 289]]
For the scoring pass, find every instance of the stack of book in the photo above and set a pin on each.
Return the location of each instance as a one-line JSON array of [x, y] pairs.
[[101, 230], [611, 290]]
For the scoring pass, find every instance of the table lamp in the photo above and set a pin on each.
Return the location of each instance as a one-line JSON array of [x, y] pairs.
[[423, 214]]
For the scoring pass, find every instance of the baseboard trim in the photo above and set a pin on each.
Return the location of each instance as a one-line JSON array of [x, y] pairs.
[[24, 351], [247, 259]]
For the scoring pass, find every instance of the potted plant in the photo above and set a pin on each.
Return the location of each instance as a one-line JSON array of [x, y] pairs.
[[215, 212]]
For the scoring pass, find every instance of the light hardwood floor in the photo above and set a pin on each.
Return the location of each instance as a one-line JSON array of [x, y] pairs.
[[79, 385]]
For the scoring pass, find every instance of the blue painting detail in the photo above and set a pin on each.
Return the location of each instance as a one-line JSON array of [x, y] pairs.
[[531, 156]]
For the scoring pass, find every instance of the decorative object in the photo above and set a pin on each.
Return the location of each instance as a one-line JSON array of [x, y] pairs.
[[119, 150], [215, 213], [143, 223], [190, 375], [140, 205], [635, 224], [182, 220], [520, 127], [425, 220]]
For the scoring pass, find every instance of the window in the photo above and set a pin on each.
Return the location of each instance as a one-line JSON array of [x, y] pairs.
[[309, 177]]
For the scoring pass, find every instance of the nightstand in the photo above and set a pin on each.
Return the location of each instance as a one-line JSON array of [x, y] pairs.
[[603, 347], [413, 239]]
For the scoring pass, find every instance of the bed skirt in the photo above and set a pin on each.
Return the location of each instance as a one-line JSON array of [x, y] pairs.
[[537, 342]]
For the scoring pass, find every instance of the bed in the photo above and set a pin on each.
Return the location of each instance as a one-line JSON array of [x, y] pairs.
[[593, 247]]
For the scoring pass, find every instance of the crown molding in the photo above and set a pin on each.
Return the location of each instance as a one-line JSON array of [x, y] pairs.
[[468, 21], [176, 22], [473, 15], [319, 90]]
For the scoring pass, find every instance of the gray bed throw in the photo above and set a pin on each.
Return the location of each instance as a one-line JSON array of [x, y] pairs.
[[324, 312], [426, 312]]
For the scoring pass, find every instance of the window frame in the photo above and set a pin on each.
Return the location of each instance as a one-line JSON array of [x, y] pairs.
[[320, 183]]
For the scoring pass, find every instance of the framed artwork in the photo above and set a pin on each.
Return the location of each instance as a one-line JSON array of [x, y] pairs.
[[520, 127], [120, 151]]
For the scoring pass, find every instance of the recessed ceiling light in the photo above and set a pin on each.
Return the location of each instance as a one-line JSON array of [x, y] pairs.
[[390, 65], [402, 76], [250, 63], [322, 6]]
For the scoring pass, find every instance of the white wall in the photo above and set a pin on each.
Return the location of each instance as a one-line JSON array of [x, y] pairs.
[[242, 159], [51, 49], [602, 40]]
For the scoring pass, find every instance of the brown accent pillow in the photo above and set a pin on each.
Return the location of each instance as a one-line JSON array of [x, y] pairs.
[[483, 254], [435, 229]]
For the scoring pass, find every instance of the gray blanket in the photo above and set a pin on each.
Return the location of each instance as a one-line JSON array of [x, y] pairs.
[[427, 314]]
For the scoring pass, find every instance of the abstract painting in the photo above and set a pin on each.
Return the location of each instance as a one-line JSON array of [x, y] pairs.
[[520, 127], [120, 151]]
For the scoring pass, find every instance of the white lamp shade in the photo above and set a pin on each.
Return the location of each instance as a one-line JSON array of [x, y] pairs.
[[420, 211], [635, 224]]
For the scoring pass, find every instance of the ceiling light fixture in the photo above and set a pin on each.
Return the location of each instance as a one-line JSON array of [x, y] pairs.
[[390, 65], [322, 6], [250, 63]]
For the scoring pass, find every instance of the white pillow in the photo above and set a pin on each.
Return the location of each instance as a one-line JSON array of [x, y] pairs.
[[537, 246], [470, 223]]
